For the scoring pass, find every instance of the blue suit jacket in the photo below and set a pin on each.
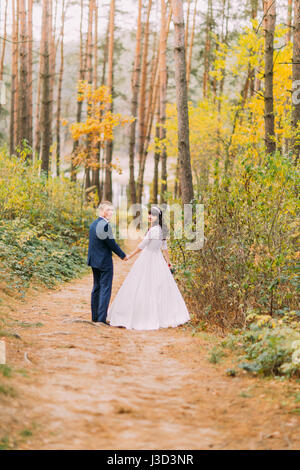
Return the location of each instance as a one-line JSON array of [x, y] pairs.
[[101, 245]]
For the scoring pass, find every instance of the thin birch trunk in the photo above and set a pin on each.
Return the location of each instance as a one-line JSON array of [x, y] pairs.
[[134, 104], [59, 94], [269, 24], [14, 78], [109, 144], [296, 78], [45, 111], [186, 180], [142, 101]]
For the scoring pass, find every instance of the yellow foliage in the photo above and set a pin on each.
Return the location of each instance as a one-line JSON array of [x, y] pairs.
[[98, 126]]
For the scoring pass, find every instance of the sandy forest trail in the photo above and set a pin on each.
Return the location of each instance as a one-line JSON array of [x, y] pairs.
[[97, 387]]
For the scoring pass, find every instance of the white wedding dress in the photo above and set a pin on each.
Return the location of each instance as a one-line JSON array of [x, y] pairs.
[[149, 297]]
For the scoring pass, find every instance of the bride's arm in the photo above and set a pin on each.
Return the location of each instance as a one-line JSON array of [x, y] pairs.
[[141, 245], [166, 255], [135, 252]]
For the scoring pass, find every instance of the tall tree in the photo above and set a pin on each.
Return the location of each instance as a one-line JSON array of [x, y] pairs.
[[23, 128], [142, 103], [152, 99], [269, 25], [289, 21], [46, 134], [3, 41], [95, 45], [96, 152], [109, 144], [207, 48], [163, 95], [187, 24], [14, 76], [3, 46], [296, 77], [89, 56], [186, 181], [135, 83], [82, 72], [191, 44], [29, 93], [156, 157], [37, 139], [53, 47], [59, 91]]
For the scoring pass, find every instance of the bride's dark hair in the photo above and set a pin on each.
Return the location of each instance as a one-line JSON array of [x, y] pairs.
[[158, 212]]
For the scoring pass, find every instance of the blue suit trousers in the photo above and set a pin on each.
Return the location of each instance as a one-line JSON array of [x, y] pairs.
[[101, 293]]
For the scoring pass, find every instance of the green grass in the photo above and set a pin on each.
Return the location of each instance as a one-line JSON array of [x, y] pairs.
[[245, 395], [8, 391], [8, 334], [26, 433], [25, 324], [5, 443], [297, 397], [5, 370], [23, 372], [216, 355]]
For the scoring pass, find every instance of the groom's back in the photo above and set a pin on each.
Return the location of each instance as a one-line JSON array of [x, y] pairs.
[[99, 253]]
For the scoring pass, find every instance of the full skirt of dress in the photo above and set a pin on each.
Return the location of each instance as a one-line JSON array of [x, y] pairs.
[[149, 297]]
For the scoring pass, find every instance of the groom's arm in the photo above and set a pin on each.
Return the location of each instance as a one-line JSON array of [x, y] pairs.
[[104, 232]]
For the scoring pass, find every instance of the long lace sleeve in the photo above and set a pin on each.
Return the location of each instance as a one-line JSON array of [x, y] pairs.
[[164, 245], [145, 241]]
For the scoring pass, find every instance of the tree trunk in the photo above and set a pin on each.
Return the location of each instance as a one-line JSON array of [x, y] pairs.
[[296, 77], [186, 33], [95, 45], [269, 21], [134, 104], [22, 131], [207, 48], [96, 170], [60, 80], [52, 60], [89, 55], [101, 156], [30, 39], [142, 101], [163, 97], [3, 47], [254, 8], [156, 159], [37, 142], [82, 71], [45, 111], [14, 79], [109, 144], [189, 59], [289, 21], [153, 96], [186, 180], [3, 41]]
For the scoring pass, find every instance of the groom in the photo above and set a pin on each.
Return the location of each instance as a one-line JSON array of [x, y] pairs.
[[101, 245]]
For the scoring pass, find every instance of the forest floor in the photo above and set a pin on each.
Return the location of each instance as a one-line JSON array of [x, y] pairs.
[[71, 384]]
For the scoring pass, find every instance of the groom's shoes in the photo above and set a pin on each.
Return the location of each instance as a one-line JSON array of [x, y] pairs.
[[104, 323]]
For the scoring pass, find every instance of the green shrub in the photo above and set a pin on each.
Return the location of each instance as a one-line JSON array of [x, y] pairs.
[[43, 226], [268, 346], [249, 259]]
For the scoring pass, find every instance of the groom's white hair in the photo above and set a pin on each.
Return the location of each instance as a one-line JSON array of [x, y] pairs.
[[104, 205]]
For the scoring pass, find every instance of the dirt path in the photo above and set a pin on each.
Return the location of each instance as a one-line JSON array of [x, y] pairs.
[[97, 387]]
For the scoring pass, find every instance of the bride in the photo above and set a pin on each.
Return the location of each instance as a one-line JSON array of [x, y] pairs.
[[149, 297]]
